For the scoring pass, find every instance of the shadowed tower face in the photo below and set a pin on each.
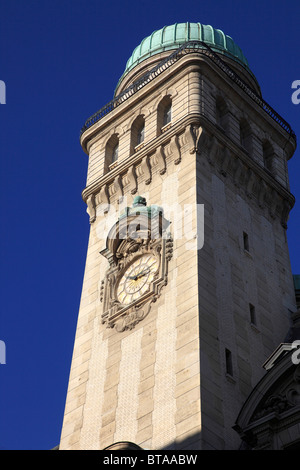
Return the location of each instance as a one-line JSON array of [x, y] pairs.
[[187, 286]]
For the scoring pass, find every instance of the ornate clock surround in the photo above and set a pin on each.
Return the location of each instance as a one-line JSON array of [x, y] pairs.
[[140, 233]]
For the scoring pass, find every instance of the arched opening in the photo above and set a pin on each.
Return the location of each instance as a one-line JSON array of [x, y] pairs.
[[137, 133], [111, 151], [268, 156], [164, 114], [221, 113]]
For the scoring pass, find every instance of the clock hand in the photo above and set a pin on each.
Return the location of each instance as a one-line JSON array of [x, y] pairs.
[[143, 273], [137, 276]]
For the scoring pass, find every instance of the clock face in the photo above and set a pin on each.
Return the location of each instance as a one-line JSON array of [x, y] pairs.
[[137, 279]]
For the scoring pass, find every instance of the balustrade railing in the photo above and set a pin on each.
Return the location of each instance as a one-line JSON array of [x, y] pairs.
[[187, 48]]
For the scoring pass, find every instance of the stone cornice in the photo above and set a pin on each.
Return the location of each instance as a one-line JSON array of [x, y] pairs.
[[202, 63], [188, 64], [197, 134], [239, 152], [136, 158]]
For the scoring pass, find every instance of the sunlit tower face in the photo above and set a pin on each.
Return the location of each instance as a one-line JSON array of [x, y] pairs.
[[161, 356]]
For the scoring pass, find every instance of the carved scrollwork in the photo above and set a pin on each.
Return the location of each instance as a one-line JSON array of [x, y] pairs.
[[145, 241], [191, 138], [175, 149], [133, 316], [169, 248], [161, 160], [286, 399], [102, 290], [91, 208]]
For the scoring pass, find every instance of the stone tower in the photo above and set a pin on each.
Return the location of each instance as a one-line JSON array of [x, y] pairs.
[[187, 287]]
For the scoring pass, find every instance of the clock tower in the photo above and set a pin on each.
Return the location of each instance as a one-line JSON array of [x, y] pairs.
[[187, 287]]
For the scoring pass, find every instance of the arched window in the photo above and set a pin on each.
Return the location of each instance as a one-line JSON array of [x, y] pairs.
[[245, 136], [111, 151], [164, 114], [167, 114], [137, 133], [221, 113], [268, 156], [115, 153], [141, 134]]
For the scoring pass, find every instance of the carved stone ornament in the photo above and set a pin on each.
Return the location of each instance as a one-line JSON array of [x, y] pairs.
[[138, 249], [283, 400]]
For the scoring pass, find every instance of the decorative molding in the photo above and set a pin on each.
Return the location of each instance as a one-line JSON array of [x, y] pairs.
[[175, 149], [140, 231], [161, 160], [281, 401], [118, 187], [190, 138], [132, 180], [104, 197], [201, 139], [146, 169], [273, 405], [228, 158], [91, 208], [250, 177]]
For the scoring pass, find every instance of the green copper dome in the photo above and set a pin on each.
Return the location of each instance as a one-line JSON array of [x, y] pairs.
[[171, 37]]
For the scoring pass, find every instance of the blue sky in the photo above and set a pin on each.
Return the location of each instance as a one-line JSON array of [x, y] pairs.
[[60, 61]]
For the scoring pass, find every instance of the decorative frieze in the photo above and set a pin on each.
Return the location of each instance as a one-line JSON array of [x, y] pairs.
[[131, 180], [229, 160]]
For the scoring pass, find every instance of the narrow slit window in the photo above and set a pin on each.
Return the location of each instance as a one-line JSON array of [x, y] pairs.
[[252, 314], [246, 241], [228, 359]]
